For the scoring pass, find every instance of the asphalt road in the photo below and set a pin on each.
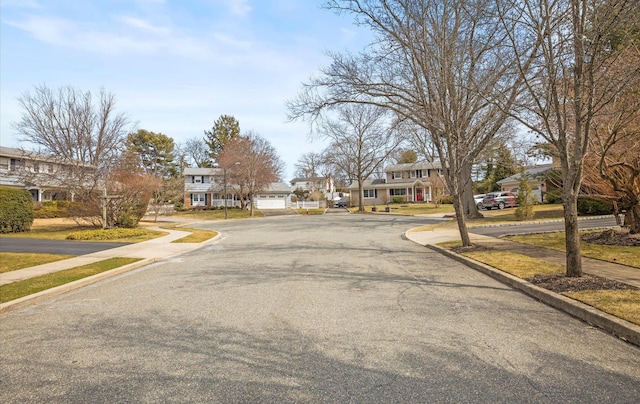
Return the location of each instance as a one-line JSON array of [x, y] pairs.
[[32, 245], [334, 308], [542, 227]]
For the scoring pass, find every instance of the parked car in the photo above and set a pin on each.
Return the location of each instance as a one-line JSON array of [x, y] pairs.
[[478, 200], [340, 203], [499, 200]]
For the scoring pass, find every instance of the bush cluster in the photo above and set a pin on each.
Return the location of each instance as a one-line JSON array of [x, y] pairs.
[[16, 210], [446, 200], [553, 196], [398, 199], [53, 209], [105, 234], [588, 206]]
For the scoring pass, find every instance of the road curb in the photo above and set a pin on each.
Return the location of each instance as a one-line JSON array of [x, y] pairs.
[[623, 329], [68, 287]]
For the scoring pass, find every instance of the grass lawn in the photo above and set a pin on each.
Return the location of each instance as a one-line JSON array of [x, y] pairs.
[[217, 214], [409, 208], [196, 236], [619, 254], [305, 211], [620, 303], [10, 261], [19, 289], [496, 216], [516, 264], [60, 229]]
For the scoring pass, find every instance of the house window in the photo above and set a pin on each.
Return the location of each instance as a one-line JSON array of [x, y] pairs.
[[412, 174], [397, 191], [370, 193], [16, 165], [197, 179], [4, 164], [197, 198], [396, 175]]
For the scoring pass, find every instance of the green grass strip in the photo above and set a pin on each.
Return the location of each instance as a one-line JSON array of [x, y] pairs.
[[11, 261], [27, 287]]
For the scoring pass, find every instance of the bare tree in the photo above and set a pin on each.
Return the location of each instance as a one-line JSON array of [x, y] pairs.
[[571, 43], [362, 138], [196, 152], [259, 164], [84, 134], [439, 64]]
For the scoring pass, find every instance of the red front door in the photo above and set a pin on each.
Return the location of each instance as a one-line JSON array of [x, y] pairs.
[[419, 197]]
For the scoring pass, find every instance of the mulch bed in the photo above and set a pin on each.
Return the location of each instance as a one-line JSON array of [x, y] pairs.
[[618, 237], [562, 283]]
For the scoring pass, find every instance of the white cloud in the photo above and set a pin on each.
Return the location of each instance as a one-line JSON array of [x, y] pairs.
[[240, 8]]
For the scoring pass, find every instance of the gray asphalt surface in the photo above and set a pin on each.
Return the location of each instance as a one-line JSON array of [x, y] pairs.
[[32, 245], [335, 308], [498, 231]]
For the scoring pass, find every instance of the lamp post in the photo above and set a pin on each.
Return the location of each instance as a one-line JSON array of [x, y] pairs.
[[224, 175]]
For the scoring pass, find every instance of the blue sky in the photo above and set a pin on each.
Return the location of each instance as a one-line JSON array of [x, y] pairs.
[[175, 66]]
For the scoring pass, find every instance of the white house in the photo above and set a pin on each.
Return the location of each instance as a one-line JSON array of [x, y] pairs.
[[205, 187], [41, 174], [536, 178]]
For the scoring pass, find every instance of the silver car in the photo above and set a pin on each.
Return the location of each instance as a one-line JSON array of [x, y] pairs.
[[500, 200]]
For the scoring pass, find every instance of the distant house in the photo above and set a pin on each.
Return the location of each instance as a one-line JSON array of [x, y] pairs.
[[413, 182], [205, 187], [538, 181], [276, 196], [324, 185], [45, 176]]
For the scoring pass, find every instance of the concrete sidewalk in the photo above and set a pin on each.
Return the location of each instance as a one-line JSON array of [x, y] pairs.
[[449, 232], [149, 251]]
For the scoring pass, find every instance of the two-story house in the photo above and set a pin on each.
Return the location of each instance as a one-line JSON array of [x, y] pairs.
[[413, 182], [205, 187], [43, 175]]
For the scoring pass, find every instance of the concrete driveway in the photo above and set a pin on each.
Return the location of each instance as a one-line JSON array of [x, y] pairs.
[[336, 308]]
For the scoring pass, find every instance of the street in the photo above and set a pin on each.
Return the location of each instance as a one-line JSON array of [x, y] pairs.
[[334, 308]]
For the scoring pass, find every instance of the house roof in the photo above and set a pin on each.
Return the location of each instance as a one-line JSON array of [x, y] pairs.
[[278, 187], [35, 156], [533, 173], [369, 183], [314, 179], [202, 171], [418, 165]]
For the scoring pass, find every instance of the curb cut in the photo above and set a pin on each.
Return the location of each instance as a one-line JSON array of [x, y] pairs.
[[623, 329], [68, 287]]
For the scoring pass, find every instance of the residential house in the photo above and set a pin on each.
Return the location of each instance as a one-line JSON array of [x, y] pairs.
[[323, 185], [205, 187], [538, 181], [276, 196], [413, 182], [43, 175]]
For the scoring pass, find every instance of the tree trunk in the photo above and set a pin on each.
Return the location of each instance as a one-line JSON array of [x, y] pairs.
[[360, 195], [468, 203], [572, 244], [455, 188], [632, 216]]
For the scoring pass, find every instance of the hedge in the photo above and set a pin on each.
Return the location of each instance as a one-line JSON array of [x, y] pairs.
[[16, 210]]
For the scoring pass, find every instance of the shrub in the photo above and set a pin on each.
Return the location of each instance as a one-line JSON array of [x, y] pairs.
[[53, 209], [105, 234], [553, 196], [398, 199], [446, 200], [588, 206], [16, 210], [179, 206]]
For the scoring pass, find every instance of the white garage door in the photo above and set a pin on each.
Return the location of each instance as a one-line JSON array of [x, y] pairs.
[[271, 203]]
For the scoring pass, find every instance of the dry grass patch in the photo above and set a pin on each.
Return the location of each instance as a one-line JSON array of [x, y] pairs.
[[516, 264], [11, 261], [27, 287], [305, 211], [624, 304], [625, 255]]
